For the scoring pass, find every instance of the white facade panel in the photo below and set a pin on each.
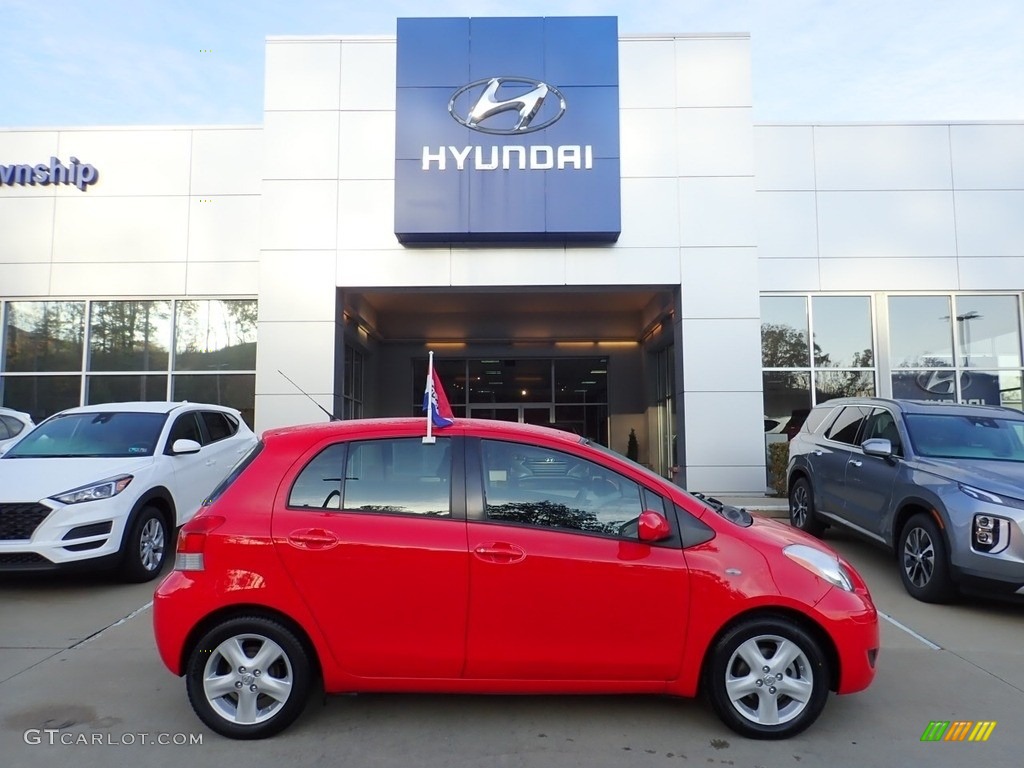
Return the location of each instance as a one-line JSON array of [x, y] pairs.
[[872, 157], [29, 148], [784, 157], [129, 162], [301, 145], [987, 156], [287, 409], [218, 278], [789, 274], [787, 225], [717, 354], [886, 224], [889, 274], [715, 142], [368, 74], [709, 274], [508, 266], [717, 212], [738, 415], [649, 146], [132, 279], [650, 213], [227, 161], [713, 72], [403, 267], [302, 74], [24, 279], [366, 145], [297, 286], [990, 223], [27, 227], [224, 228], [733, 478], [622, 266], [991, 274], [647, 74], [298, 347], [366, 215], [120, 230], [299, 215]]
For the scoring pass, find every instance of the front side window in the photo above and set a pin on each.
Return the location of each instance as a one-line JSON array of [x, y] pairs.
[[93, 435], [882, 424], [529, 485]]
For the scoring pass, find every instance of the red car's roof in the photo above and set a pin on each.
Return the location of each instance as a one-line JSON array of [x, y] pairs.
[[416, 426]]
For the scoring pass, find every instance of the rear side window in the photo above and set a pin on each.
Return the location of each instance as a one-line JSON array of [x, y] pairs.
[[848, 424], [816, 418], [218, 425]]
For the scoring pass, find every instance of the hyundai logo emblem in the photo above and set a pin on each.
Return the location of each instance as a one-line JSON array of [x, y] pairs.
[[519, 95], [942, 382]]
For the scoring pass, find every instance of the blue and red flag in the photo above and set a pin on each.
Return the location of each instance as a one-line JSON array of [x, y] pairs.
[[435, 403]]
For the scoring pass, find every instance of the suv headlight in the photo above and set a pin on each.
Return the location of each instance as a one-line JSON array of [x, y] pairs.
[[103, 489], [991, 498], [820, 563]]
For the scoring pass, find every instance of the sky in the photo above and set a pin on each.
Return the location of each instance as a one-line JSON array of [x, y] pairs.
[[66, 63]]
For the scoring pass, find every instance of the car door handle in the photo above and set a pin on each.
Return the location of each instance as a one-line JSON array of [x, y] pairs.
[[313, 538], [500, 552], [818, 453], [210, 462], [855, 462]]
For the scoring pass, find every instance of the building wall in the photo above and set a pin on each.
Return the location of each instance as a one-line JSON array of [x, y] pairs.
[[687, 219]]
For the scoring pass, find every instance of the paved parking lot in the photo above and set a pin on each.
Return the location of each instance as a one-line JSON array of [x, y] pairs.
[[78, 665]]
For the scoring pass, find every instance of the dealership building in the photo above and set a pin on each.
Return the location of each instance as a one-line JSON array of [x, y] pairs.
[[586, 228]]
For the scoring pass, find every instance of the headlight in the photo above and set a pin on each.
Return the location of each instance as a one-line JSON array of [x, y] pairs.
[[820, 563], [103, 489], [991, 498]]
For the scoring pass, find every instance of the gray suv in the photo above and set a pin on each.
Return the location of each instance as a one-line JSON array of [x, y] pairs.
[[941, 484]]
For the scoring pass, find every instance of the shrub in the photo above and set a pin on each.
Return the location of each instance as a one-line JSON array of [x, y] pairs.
[[632, 447], [778, 460]]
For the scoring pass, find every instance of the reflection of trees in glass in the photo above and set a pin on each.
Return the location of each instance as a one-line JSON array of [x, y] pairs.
[[129, 335], [783, 346], [216, 334], [548, 514], [45, 336]]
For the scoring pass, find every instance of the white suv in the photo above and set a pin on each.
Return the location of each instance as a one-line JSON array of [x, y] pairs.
[[106, 485]]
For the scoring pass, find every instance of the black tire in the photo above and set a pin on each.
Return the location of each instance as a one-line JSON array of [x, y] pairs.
[[924, 561], [278, 692], [794, 689], [801, 508], [145, 546]]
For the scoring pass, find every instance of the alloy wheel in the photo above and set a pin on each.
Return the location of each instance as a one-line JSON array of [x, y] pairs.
[[919, 557], [769, 680], [248, 679]]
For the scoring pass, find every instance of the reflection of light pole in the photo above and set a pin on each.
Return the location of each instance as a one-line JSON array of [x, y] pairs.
[[965, 333]]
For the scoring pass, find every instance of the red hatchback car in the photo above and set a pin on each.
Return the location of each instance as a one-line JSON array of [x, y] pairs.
[[502, 558]]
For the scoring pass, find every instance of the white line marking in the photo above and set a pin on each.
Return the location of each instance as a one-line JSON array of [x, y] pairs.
[[910, 632]]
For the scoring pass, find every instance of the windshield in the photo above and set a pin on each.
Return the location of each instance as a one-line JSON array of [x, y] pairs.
[[966, 437], [92, 435]]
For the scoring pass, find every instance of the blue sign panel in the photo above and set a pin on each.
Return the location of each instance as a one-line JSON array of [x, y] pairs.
[[507, 130]]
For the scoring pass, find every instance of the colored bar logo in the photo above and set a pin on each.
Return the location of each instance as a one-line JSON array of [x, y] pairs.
[[958, 730]]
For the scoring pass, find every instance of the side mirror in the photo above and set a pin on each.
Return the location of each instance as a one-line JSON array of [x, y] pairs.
[[185, 446], [877, 446], [653, 527]]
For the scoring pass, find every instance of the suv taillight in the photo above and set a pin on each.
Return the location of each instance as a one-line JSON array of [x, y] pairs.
[[192, 542]]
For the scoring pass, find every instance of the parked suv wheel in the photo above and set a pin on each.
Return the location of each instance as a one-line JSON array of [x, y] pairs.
[[801, 508], [144, 549], [924, 561]]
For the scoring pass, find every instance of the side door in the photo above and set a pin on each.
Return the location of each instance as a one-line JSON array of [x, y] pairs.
[[870, 479], [191, 474], [220, 451], [373, 534], [831, 456], [561, 588]]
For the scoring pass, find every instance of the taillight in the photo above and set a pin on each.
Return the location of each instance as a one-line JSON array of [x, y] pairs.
[[192, 542]]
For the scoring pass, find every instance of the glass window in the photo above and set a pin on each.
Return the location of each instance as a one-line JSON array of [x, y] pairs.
[[44, 336], [988, 331], [846, 426], [529, 485], [119, 389], [510, 381], [319, 483], [784, 332], [236, 390], [965, 437], [186, 427], [882, 424], [924, 385], [218, 425], [42, 396], [787, 396], [129, 335], [581, 380], [920, 331], [405, 476], [842, 332], [829, 384], [215, 335]]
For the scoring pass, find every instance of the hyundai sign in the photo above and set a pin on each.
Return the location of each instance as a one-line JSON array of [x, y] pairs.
[[507, 130]]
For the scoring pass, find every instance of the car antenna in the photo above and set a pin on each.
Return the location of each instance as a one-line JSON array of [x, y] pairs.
[[330, 415]]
